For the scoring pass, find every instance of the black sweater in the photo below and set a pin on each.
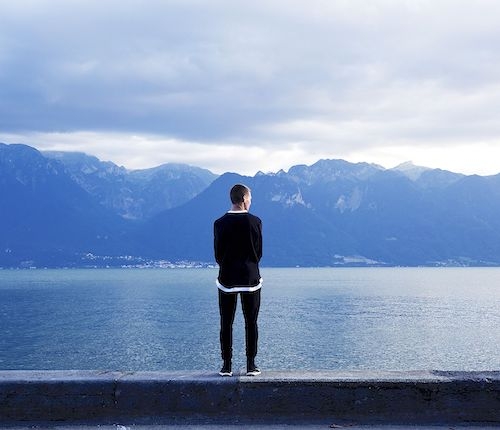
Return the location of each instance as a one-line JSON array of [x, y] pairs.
[[238, 250]]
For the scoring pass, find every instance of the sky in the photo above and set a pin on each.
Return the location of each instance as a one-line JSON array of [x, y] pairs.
[[261, 85]]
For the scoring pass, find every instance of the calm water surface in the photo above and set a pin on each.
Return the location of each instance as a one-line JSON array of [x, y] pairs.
[[167, 319]]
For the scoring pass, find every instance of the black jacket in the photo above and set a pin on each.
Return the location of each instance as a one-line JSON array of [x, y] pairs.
[[238, 249]]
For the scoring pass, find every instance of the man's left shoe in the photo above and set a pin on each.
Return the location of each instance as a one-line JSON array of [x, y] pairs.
[[226, 369]]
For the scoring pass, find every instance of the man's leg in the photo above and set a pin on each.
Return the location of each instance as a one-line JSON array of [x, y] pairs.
[[250, 302], [227, 309]]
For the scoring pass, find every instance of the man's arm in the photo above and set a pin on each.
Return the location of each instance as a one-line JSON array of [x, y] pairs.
[[217, 245]]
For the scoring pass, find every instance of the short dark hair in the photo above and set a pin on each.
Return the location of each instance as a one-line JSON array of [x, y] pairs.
[[238, 193]]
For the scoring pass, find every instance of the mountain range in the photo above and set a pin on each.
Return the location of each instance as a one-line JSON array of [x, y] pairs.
[[72, 210]]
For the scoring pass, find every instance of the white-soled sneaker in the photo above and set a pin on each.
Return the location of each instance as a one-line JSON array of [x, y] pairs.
[[252, 369], [226, 370], [253, 372]]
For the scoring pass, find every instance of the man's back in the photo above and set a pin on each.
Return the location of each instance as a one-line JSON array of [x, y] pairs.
[[238, 248]]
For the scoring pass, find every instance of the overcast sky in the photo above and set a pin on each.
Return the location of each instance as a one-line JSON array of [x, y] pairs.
[[255, 85]]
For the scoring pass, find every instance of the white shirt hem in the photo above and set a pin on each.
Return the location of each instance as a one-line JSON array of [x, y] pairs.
[[245, 289]]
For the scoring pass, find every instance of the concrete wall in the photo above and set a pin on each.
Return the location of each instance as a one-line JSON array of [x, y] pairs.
[[388, 397]]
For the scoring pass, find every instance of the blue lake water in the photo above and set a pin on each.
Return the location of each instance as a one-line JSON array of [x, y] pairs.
[[321, 318]]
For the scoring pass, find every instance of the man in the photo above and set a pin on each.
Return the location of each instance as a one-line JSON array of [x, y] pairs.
[[238, 250]]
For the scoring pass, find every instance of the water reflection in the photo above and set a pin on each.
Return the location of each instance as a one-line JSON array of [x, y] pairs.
[[391, 319]]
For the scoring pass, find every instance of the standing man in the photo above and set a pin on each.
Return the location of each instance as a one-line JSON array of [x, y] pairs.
[[238, 250]]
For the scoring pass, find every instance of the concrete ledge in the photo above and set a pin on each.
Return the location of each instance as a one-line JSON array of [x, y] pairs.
[[371, 397]]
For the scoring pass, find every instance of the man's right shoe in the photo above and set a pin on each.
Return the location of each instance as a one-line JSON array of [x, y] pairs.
[[226, 369], [252, 369]]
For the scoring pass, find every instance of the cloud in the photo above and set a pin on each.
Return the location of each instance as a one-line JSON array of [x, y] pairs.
[[143, 151], [290, 80]]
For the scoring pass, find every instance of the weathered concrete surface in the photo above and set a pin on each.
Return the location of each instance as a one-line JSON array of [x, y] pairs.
[[246, 425], [361, 397]]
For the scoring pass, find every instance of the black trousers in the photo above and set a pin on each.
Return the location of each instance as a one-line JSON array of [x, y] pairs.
[[250, 303]]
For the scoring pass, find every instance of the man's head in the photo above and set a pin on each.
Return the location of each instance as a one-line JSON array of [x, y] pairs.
[[241, 196]]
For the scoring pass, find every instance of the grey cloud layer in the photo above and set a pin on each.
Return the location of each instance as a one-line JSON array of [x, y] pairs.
[[262, 71]]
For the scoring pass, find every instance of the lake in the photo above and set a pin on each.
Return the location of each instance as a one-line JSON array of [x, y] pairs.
[[311, 318]]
